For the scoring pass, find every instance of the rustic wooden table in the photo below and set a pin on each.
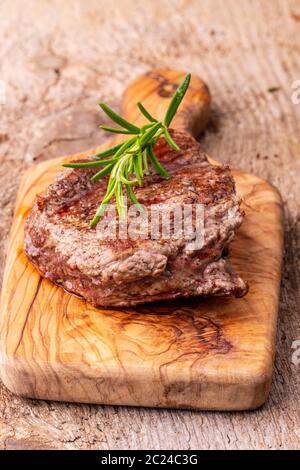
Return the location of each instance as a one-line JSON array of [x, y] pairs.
[[56, 62]]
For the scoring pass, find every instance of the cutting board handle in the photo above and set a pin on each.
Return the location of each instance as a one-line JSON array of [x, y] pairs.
[[154, 90]]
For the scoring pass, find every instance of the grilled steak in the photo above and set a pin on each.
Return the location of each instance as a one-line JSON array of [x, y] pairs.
[[126, 272]]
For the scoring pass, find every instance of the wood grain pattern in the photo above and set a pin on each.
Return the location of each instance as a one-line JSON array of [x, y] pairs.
[[55, 74], [202, 354]]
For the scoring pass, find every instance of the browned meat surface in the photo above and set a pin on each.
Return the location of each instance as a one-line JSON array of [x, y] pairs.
[[126, 272]]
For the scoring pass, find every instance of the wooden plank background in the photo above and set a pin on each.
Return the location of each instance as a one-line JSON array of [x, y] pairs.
[[56, 62]]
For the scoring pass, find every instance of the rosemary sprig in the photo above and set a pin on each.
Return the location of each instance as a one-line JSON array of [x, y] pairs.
[[130, 160]]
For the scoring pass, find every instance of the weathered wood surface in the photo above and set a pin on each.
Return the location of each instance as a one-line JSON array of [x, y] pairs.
[[55, 346], [56, 64]]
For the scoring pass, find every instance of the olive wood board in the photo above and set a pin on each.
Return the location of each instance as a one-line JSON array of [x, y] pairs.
[[204, 354]]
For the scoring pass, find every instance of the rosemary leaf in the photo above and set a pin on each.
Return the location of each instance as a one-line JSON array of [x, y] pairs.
[[150, 134], [170, 140], [145, 112], [124, 147], [140, 164], [176, 100], [137, 170], [118, 119], [107, 152], [146, 126], [98, 215], [156, 163], [110, 190], [134, 198], [120, 201], [115, 130], [102, 172], [145, 161], [83, 164], [127, 181]]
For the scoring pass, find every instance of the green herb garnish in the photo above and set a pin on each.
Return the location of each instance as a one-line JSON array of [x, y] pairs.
[[130, 160]]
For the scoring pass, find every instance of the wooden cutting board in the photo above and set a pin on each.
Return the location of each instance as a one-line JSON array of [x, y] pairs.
[[203, 354]]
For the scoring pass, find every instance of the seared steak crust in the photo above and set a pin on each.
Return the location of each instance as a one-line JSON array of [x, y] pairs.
[[126, 272]]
